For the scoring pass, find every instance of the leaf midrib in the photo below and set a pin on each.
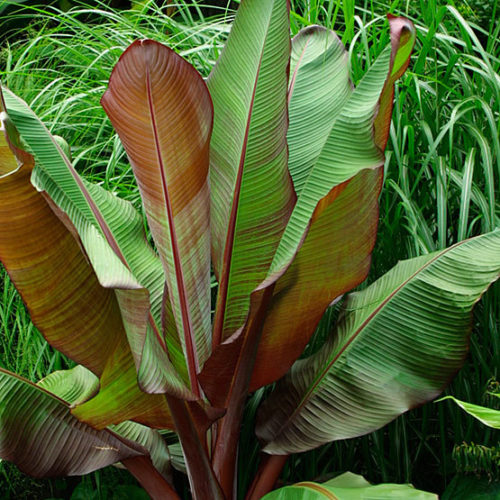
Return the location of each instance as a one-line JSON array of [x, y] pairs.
[[186, 319], [296, 70], [229, 245], [358, 331]]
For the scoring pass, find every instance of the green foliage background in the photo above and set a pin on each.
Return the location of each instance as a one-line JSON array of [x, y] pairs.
[[442, 174]]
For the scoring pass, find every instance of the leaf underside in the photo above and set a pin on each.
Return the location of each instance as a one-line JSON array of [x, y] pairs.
[[55, 175], [78, 384], [41, 436], [399, 342], [338, 176]]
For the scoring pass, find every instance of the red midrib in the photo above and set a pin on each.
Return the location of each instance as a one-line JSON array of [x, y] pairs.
[[107, 234], [186, 320], [296, 70], [228, 248], [355, 334]]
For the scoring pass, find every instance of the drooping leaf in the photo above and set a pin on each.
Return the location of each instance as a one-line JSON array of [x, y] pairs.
[[120, 399], [175, 449], [161, 109], [349, 146], [348, 486], [487, 416], [62, 292], [251, 190], [397, 345], [39, 434], [151, 440], [78, 384]]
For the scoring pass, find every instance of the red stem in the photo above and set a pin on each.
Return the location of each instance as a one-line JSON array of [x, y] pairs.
[[202, 480], [225, 452], [150, 479], [269, 471]]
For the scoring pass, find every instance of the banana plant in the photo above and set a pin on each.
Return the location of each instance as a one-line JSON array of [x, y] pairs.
[[267, 173]]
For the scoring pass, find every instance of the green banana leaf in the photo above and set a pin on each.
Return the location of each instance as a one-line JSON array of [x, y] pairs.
[[38, 249], [336, 254], [251, 189], [487, 416], [397, 345], [349, 146], [167, 142], [78, 384], [319, 88], [120, 397], [348, 486], [342, 194]]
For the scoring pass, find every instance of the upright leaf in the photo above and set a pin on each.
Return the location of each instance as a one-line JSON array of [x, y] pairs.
[[397, 345], [251, 190], [334, 258], [335, 255], [349, 146], [319, 88], [161, 109]]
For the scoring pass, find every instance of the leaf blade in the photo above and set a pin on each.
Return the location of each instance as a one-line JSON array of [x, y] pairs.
[[335, 255], [488, 416], [359, 373], [38, 249], [167, 144], [351, 144], [319, 88], [105, 248], [50, 441], [252, 193], [334, 258]]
